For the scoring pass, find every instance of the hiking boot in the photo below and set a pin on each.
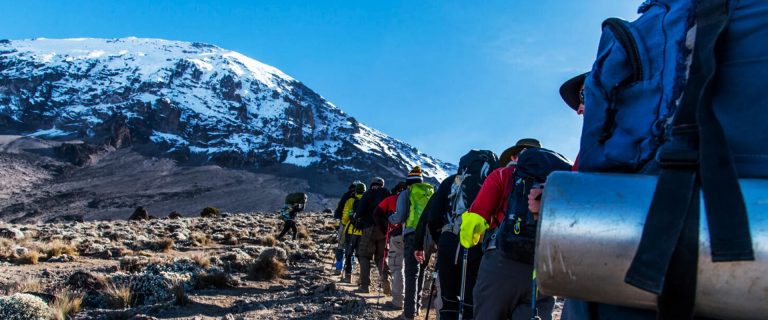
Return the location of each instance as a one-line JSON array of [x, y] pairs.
[[346, 278], [404, 317], [336, 272]]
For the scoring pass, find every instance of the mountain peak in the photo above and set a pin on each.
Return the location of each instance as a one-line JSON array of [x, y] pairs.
[[192, 102]]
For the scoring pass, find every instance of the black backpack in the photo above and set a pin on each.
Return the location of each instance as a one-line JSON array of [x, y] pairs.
[[474, 167], [516, 236]]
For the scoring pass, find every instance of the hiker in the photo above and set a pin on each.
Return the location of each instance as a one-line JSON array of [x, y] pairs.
[[294, 203], [352, 232], [510, 298], [454, 196], [372, 242], [395, 246], [337, 214], [410, 204]]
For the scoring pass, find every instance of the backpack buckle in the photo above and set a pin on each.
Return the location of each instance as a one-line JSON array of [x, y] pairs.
[[677, 156]]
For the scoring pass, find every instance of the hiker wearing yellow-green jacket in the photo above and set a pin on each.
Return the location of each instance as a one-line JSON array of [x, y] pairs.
[[410, 205], [352, 233]]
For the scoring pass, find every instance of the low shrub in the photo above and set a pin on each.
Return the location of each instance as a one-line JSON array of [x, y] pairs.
[[31, 257], [218, 280], [118, 296], [201, 239], [266, 269], [162, 245], [210, 212], [202, 261]]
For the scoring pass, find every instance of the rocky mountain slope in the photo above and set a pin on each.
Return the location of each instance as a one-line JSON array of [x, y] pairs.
[[193, 103]]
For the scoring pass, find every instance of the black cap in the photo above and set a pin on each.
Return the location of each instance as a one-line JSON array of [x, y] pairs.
[[570, 91], [521, 144]]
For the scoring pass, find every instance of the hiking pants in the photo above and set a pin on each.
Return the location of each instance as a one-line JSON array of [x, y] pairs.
[[395, 257], [288, 225], [503, 290], [352, 242], [340, 248], [450, 258], [371, 248], [414, 278]]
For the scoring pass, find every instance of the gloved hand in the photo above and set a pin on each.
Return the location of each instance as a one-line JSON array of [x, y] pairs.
[[472, 228]]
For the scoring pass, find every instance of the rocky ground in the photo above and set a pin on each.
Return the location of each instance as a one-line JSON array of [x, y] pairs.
[[188, 268]]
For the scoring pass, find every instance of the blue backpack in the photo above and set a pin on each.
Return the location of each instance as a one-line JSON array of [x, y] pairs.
[[682, 92]]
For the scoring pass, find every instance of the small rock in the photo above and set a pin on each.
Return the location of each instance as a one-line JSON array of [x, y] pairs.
[[11, 233]]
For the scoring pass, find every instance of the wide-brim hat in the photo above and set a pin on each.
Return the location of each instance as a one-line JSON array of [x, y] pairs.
[[569, 91], [521, 144]]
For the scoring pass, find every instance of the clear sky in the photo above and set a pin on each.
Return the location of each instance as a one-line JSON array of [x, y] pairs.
[[444, 76]]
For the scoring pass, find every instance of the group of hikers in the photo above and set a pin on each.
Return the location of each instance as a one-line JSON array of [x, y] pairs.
[[685, 106], [397, 231]]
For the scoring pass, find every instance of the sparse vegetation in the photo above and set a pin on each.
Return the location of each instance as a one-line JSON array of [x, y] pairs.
[[180, 297], [202, 261], [58, 247], [218, 280], [303, 233], [210, 212], [118, 296], [32, 284], [162, 245], [23, 306], [31, 257], [266, 269], [268, 241], [65, 305], [133, 264], [201, 239], [231, 238]]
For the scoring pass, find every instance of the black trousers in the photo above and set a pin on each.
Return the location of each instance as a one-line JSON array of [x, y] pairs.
[[449, 268], [288, 225]]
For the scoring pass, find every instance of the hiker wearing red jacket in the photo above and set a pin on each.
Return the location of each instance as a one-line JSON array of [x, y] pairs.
[[395, 245], [494, 299]]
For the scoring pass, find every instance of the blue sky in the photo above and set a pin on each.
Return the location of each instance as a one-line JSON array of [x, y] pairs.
[[444, 76]]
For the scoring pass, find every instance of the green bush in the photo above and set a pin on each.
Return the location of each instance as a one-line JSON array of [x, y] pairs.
[[210, 212]]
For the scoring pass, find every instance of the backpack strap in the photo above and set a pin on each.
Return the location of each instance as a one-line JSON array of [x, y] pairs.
[[668, 248]]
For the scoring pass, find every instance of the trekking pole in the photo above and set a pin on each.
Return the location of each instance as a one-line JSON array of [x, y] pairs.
[[381, 269], [534, 296], [463, 282], [432, 289]]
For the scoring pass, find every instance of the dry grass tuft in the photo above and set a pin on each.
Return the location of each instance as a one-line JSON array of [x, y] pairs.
[[268, 241], [32, 284], [202, 261], [231, 238], [31, 257], [180, 297], [118, 296], [132, 264], [58, 247], [218, 280], [266, 269], [201, 239], [303, 233], [162, 245], [66, 305], [6, 248]]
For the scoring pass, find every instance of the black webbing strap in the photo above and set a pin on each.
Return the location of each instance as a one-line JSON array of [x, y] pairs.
[[666, 245]]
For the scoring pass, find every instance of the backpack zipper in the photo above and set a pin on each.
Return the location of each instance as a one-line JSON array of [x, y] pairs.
[[627, 41]]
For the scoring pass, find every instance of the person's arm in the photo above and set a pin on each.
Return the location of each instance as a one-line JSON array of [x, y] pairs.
[[421, 226], [435, 220], [490, 197], [402, 208], [340, 206]]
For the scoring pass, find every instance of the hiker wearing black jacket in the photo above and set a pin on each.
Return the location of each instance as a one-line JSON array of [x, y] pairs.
[[372, 242], [454, 195]]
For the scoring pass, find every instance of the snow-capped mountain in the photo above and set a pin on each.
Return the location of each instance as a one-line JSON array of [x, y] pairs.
[[192, 102]]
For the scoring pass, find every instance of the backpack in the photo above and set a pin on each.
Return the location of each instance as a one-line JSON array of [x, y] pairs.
[[296, 198], [419, 196], [474, 167], [681, 92], [516, 235]]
